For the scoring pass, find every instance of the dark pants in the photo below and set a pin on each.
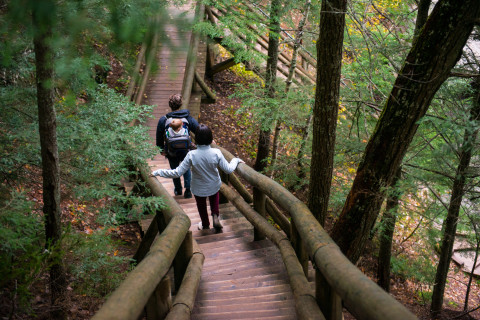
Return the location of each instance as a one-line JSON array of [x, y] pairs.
[[187, 176], [202, 208]]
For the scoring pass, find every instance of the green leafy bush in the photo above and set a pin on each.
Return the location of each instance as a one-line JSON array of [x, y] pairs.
[[21, 247], [97, 269], [419, 269], [99, 149]]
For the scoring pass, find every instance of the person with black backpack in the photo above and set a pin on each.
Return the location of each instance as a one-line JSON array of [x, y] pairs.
[[175, 146], [205, 163]]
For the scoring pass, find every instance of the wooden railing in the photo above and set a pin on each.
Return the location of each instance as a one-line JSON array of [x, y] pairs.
[[337, 279], [148, 286]]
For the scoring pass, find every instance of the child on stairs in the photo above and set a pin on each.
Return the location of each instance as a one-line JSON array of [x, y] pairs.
[[206, 180]]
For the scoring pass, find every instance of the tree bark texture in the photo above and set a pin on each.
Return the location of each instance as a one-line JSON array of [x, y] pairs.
[[450, 224], [434, 53], [270, 79], [43, 15], [386, 237], [325, 111]]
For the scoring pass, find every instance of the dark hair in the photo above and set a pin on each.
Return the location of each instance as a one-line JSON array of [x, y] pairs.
[[203, 135], [175, 101]]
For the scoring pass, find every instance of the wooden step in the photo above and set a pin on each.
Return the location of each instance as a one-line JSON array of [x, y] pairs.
[[244, 314]]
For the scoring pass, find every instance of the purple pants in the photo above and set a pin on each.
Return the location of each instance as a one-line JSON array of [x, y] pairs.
[[202, 208]]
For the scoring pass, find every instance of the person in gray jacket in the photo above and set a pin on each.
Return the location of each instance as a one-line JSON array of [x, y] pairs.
[[206, 181]]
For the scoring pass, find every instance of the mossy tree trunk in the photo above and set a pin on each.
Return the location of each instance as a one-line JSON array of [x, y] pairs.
[[434, 52], [43, 16], [458, 189], [325, 111], [422, 15], [386, 236]]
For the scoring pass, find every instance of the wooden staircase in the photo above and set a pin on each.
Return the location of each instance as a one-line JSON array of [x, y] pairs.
[[241, 278]]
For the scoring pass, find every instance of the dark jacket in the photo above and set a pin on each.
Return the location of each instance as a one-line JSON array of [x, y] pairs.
[[183, 113]]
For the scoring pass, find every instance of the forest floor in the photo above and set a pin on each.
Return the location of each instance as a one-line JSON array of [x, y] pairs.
[[224, 121]]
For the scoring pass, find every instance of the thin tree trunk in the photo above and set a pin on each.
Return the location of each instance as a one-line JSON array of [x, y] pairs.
[[270, 79], [296, 45], [276, 138], [422, 15], [458, 190], [426, 67], [386, 236], [301, 151], [470, 276], [291, 73], [43, 15], [325, 111]]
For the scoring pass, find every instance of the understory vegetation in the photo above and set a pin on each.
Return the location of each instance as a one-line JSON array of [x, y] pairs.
[[96, 44]]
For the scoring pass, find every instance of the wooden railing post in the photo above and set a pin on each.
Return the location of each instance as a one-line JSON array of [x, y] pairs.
[[329, 301], [259, 201], [225, 179], [160, 302], [157, 226], [180, 263], [298, 246]]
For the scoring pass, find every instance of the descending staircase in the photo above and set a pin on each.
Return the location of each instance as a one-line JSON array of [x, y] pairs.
[[241, 278]]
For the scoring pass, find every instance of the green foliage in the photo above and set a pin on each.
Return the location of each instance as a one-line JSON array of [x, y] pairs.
[[21, 247], [418, 269], [100, 149], [97, 268], [424, 297]]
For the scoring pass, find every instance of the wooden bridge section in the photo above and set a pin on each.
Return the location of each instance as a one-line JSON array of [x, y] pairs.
[[250, 269]]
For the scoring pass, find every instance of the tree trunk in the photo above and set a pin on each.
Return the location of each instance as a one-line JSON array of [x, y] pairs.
[[422, 15], [270, 78], [386, 236], [291, 73], [296, 45], [43, 15], [471, 275], [434, 53], [458, 190], [301, 150], [325, 111]]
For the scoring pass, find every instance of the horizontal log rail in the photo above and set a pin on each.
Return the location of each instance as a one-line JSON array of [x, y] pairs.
[[142, 284], [361, 296], [130, 298]]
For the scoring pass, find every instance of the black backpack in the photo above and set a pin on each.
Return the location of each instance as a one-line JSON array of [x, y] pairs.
[[177, 146]]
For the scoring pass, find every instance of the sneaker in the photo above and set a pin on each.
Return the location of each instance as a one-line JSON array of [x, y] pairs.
[[177, 192], [187, 194], [216, 222], [200, 226]]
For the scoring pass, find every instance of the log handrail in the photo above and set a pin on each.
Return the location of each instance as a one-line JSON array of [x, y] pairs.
[[305, 303], [129, 299], [362, 297]]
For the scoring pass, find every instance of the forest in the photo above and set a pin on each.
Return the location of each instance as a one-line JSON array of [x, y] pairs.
[[373, 123]]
